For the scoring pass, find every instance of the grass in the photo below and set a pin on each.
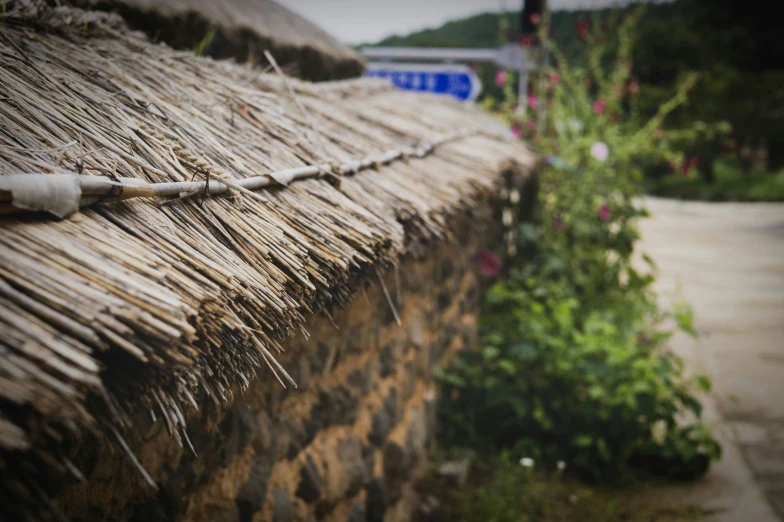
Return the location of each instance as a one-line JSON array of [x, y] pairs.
[[732, 184], [204, 44], [499, 489]]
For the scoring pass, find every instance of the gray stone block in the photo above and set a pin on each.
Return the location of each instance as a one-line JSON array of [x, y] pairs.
[[310, 483], [303, 371], [416, 437], [282, 508], [369, 458], [395, 470], [250, 498], [380, 427], [355, 472], [431, 405], [356, 513], [392, 405], [376, 501], [416, 333], [387, 360]]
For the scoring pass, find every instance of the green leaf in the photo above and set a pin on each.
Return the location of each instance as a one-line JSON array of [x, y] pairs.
[[523, 351], [583, 441]]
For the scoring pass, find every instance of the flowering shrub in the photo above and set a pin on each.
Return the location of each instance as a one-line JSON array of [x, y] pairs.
[[572, 366]]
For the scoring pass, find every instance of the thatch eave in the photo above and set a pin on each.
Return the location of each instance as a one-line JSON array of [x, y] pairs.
[[243, 30], [149, 305]]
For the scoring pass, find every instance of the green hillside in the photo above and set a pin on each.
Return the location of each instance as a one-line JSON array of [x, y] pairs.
[[482, 31]]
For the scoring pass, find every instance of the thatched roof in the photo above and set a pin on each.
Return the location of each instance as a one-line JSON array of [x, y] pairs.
[[243, 29], [154, 303]]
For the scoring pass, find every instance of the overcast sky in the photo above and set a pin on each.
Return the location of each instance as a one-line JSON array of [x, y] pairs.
[[360, 21]]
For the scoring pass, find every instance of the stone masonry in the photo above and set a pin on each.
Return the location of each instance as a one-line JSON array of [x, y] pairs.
[[345, 445]]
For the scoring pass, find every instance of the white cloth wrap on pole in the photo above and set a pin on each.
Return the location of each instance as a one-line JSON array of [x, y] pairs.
[[58, 194]]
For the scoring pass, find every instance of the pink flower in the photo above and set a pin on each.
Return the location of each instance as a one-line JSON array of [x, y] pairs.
[[599, 106], [515, 132], [536, 18], [604, 212], [554, 78], [634, 87], [558, 223], [600, 151], [489, 263], [500, 77], [582, 28], [533, 101], [530, 125]]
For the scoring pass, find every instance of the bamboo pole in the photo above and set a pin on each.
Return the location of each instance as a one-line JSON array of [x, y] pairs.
[[98, 189]]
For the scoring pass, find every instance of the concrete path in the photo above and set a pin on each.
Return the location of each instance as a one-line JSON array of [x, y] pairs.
[[728, 261]]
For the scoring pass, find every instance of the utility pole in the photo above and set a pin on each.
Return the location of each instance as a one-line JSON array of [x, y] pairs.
[[531, 16], [528, 16], [531, 10]]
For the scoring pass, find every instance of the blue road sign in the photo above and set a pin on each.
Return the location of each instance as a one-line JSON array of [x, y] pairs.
[[447, 79]]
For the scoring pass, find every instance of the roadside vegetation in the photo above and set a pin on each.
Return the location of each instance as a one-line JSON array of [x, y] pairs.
[[503, 490], [573, 377]]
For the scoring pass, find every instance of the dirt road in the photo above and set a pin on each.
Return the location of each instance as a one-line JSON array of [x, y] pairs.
[[728, 260]]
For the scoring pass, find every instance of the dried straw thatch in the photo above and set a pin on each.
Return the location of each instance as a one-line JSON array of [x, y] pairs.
[[160, 304], [241, 29]]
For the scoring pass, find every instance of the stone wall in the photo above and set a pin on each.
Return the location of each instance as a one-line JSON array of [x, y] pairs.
[[345, 445]]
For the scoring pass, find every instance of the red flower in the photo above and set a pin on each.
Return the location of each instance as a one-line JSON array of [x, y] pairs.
[[554, 78], [489, 263], [604, 212], [536, 18], [527, 41], [599, 106], [688, 164], [582, 28]]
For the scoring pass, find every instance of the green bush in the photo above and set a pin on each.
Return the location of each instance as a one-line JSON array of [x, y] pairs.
[[572, 365]]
